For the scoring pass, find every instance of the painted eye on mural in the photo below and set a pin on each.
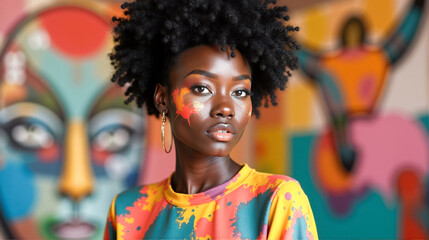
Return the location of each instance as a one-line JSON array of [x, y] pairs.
[[29, 134], [114, 138]]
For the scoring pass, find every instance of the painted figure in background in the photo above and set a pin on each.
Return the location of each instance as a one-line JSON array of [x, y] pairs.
[[68, 143], [351, 156]]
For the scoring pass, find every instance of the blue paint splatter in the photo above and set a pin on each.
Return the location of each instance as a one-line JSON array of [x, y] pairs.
[[251, 216], [127, 199], [166, 225], [17, 191], [300, 229]]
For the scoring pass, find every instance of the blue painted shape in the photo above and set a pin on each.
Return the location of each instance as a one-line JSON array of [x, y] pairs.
[[17, 191], [127, 199], [166, 226], [132, 178], [111, 229], [367, 212], [76, 85], [328, 84], [251, 216], [424, 120], [405, 34], [300, 229]]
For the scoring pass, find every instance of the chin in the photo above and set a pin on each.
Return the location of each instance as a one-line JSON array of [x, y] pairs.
[[221, 151]]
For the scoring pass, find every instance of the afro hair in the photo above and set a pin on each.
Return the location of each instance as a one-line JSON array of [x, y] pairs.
[[153, 33]]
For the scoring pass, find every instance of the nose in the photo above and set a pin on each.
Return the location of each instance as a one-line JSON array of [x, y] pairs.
[[76, 180], [223, 108]]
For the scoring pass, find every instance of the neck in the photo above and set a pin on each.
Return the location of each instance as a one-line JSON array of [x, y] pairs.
[[196, 173]]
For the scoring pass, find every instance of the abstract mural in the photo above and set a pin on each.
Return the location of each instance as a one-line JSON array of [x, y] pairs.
[[362, 158], [68, 143]]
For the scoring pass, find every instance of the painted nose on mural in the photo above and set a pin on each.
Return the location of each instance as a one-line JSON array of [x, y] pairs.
[[222, 109], [76, 179]]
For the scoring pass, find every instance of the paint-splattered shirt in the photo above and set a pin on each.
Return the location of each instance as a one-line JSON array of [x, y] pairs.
[[251, 205]]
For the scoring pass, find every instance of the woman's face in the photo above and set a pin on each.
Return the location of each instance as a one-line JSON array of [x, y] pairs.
[[209, 101]]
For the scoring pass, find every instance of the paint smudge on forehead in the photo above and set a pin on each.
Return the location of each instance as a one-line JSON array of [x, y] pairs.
[[181, 109]]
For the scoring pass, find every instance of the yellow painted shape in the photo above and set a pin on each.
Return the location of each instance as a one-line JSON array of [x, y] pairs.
[[120, 231], [198, 213], [77, 180], [129, 220], [300, 97], [154, 195], [271, 147], [314, 28], [380, 16]]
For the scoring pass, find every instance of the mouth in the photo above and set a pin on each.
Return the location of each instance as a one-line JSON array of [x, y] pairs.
[[221, 132], [74, 229]]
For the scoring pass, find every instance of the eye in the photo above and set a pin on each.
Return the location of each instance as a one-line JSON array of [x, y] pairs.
[[241, 93], [30, 134], [201, 89], [114, 138]]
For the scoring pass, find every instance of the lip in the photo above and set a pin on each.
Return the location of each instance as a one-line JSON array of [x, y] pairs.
[[221, 132], [74, 229]]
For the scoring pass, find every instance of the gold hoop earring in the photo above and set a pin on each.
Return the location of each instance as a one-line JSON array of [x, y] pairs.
[[164, 119]]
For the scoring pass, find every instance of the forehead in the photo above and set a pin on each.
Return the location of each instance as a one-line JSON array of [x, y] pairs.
[[211, 59]]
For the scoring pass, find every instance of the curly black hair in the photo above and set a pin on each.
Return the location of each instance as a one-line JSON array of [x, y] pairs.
[[153, 33]]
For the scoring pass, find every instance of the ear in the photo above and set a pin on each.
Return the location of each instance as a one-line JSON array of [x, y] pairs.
[[160, 98]]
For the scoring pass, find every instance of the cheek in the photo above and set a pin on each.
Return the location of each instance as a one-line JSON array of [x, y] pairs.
[[243, 111], [184, 108]]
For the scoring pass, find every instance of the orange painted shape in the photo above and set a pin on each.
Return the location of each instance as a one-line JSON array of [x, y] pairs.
[[11, 93], [77, 180], [360, 75], [181, 109], [329, 171]]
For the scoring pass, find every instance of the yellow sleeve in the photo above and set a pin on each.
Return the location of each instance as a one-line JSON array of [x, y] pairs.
[[110, 229], [291, 216]]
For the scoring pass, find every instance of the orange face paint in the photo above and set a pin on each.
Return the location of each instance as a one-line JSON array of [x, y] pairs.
[[183, 110]]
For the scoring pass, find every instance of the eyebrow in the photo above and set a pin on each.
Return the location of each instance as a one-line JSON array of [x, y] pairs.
[[212, 75]]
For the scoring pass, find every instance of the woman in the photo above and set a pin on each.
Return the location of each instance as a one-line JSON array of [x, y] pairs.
[[206, 66]]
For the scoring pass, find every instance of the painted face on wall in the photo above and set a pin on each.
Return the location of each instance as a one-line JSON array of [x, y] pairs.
[[68, 143], [209, 102]]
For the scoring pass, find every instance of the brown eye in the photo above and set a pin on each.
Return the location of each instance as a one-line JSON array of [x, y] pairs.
[[240, 93], [200, 89]]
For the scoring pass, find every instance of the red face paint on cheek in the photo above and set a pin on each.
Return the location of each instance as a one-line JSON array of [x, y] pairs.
[[50, 154], [181, 109]]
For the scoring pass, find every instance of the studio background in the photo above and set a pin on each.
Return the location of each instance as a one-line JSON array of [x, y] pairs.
[[352, 126]]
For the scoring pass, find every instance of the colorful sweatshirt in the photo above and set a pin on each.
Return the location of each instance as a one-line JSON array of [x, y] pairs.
[[252, 205]]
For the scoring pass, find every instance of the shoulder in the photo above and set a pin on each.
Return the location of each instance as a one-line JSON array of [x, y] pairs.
[[277, 182], [136, 194]]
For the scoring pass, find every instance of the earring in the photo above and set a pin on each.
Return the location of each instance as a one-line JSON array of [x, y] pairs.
[[164, 119]]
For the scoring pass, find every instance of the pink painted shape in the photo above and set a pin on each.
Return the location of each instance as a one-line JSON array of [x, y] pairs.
[[158, 165], [387, 145], [11, 11], [367, 87]]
